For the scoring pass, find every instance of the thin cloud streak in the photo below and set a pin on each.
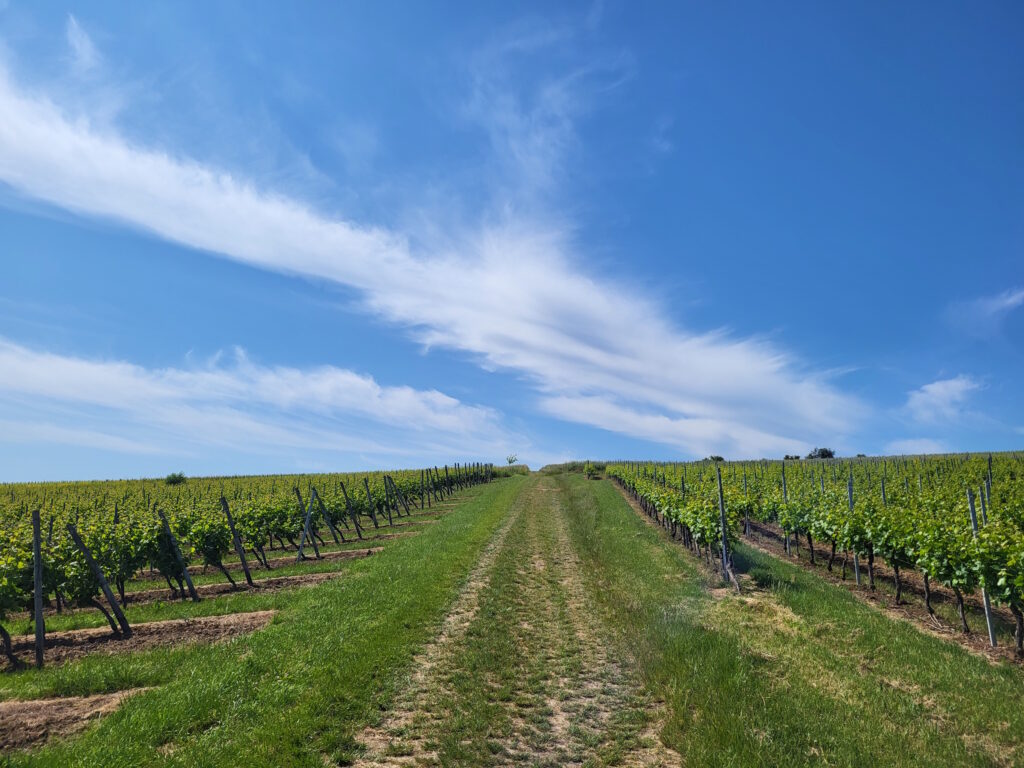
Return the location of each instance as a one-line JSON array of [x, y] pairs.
[[915, 446], [508, 294], [84, 56], [114, 405], [984, 316]]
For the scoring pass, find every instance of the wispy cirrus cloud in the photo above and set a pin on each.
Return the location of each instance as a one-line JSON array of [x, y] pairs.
[[943, 401], [84, 55], [509, 291], [530, 116], [984, 315], [119, 406], [915, 446]]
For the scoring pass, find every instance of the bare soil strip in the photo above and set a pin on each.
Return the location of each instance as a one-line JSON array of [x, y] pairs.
[[62, 647], [269, 584], [367, 536], [569, 699], [277, 562], [424, 521], [30, 723], [262, 584]]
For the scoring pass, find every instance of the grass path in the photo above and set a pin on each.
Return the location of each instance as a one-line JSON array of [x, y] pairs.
[[522, 673]]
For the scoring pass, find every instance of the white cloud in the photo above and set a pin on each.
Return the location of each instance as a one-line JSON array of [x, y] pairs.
[[914, 446], [700, 436], [941, 401], [84, 56], [999, 304], [508, 292], [530, 117], [983, 316], [115, 405], [22, 432]]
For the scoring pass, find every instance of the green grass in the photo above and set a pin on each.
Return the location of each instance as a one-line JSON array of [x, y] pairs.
[[295, 693], [524, 654], [163, 610], [943, 604], [209, 606], [796, 671], [529, 680], [800, 674]]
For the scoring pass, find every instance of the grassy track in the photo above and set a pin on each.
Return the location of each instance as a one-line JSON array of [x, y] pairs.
[[524, 674], [543, 622], [294, 693]]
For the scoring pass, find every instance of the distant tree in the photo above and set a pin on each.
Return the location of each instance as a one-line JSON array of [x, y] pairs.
[[713, 457], [511, 459], [862, 455], [175, 478], [787, 457], [822, 453]]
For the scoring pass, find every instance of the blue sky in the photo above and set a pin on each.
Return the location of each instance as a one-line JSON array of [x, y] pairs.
[[251, 238]]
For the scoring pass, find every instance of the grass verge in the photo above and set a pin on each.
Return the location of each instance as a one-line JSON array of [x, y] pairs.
[[800, 673]]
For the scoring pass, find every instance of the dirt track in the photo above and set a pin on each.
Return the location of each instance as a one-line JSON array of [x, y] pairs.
[[562, 695]]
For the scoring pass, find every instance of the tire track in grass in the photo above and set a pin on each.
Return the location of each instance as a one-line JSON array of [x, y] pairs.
[[609, 717], [522, 672], [380, 739]]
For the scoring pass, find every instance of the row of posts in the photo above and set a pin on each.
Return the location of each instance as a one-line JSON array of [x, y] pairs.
[[462, 476], [985, 492]]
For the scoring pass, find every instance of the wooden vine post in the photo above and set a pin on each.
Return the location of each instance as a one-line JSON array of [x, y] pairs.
[[721, 514], [126, 630], [369, 502], [401, 496], [352, 512], [335, 530], [984, 592], [438, 488], [785, 500], [746, 505], [236, 540], [37, 587], [856, 561], [323, 511], [181, 560], [305, 530], [389, 500]]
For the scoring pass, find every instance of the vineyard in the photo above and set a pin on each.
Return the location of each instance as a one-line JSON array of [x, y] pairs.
[[99, 546], [629, 613], [958, 521]]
